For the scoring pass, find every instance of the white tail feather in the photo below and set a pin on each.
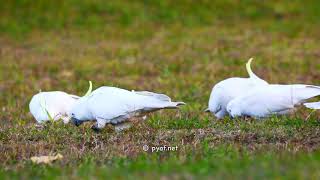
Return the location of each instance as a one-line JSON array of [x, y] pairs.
[[174, 105], [313, 105], [301, 93]]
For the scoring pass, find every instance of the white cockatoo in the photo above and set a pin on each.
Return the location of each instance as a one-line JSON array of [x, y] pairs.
[[111, 105], [270, 100], [226, 90], [53, 105]]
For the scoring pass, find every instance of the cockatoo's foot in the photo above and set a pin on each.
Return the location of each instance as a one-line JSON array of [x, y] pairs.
[[122, 126], [95, 128], [76, 122]]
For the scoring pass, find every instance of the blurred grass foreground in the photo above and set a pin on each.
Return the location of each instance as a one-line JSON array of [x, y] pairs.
[[180, 48]]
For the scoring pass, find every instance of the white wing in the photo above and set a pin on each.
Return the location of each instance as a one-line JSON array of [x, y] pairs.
[[110, 102], [55, 103], [162, 97], [274, 99]]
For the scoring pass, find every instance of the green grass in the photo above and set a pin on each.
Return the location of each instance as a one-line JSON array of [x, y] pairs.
[[180, 48]]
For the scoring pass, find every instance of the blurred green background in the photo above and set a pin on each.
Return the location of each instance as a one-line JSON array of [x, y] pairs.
[[20, 17], [180, 48]]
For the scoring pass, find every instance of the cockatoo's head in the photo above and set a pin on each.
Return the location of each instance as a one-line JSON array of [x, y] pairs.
[[79, 112], [233, 109], [52, 105]]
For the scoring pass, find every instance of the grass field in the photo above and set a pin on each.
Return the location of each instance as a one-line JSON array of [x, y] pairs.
[[180, 48]]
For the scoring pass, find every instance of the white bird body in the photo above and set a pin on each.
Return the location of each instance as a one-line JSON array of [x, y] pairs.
[[226, 90], [55, 104], [270, 100], [115, 106]]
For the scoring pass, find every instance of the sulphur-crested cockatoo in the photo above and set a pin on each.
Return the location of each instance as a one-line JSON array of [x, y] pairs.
[[269, 100], [53, 105], [226, 90], [111, 105]]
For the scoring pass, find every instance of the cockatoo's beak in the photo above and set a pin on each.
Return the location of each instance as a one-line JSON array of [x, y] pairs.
[[89, 90]]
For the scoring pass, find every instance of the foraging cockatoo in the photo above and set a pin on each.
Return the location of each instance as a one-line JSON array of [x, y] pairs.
[[270, 100], [226, 90], [111, 105], [53, 105]]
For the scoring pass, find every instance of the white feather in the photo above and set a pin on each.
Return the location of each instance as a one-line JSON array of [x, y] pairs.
[[312, 105], [272, 99]]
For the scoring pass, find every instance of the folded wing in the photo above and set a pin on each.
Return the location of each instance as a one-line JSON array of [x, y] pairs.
[[110, 102], [273, 99]]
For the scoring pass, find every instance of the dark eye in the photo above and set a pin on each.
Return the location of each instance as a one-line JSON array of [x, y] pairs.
[[72, 114]]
